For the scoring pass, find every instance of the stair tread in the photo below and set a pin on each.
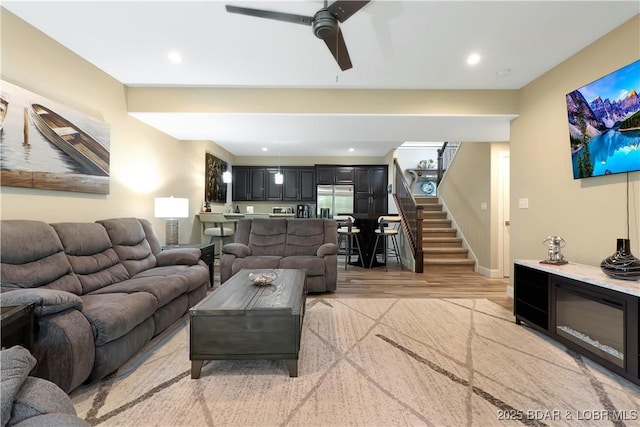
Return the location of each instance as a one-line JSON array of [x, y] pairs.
[[431, 260], [445, 249]]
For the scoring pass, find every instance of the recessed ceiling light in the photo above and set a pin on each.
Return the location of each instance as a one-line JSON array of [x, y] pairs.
[[473, 59], [175, 57], [265, 149], [351, 150]]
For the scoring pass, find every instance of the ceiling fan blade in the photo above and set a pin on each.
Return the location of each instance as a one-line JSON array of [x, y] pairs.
[[343, 9], [339, 50], [278, 16]]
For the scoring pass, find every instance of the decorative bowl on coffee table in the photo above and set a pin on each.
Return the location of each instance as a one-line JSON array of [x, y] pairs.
[[262, 277]]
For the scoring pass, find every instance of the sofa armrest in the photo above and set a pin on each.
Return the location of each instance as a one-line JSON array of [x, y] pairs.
[[327, 249], [15, 364], [240, 250], [178, 256], [47, 301]]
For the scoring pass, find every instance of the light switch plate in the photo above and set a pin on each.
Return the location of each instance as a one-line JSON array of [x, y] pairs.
[[523, 203]]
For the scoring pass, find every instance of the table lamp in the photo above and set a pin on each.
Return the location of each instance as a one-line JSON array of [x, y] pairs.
[[171, 208]]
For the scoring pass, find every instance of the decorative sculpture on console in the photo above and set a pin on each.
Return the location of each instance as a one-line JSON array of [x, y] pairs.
[[554, 246]]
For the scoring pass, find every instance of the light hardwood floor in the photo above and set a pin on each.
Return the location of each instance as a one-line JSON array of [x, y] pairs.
[[396, 283]]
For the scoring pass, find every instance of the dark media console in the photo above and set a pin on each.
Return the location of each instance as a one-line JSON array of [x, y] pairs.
[[584, 309]]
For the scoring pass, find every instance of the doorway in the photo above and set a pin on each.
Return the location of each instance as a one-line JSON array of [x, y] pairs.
[[504, 218]]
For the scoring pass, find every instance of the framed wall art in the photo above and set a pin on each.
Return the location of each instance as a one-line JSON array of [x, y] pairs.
[[46, 145], [215, 191]]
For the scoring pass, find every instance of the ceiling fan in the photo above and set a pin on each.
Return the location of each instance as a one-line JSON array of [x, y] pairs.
[[325, 24]]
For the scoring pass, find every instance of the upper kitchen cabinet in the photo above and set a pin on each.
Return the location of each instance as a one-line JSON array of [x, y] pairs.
[[249, 183], [299, 184], [329, 175], [370, 189], [274, 191], [253, 183]]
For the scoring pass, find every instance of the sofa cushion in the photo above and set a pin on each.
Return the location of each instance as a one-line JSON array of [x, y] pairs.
[[128, 238], [157, 282], [268, 237], [113, 315], [195, 275], [152, 237], [91, 254], [33, 256], [312, 264], [256, 262], [304, 236]]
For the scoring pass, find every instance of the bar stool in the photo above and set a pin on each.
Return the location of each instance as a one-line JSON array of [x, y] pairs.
[[387, 232], [220, 230], [346, 233]]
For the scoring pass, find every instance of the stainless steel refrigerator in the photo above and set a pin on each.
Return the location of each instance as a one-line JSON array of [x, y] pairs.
[[337, 198]]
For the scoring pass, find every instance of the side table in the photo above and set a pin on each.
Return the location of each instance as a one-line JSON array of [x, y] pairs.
[[206, 255], [17, 326]]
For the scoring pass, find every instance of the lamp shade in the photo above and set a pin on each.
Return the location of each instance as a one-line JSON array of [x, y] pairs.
[[171, 207], [226, 177]]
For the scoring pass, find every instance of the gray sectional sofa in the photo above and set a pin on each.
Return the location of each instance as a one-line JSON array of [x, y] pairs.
[[102, 291], [307, 244]]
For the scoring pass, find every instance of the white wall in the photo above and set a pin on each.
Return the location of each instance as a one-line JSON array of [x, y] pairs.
[[589, 213]]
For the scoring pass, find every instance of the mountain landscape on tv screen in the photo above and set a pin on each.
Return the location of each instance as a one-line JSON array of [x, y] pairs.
[[604, 124]]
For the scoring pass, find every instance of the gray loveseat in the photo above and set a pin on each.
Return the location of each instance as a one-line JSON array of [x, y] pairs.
[[102, 291], [307, 244]]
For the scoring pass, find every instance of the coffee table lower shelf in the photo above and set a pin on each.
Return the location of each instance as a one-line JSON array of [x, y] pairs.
[[241, 320]]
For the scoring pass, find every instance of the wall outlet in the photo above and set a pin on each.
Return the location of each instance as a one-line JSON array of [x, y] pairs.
[[483, 206]]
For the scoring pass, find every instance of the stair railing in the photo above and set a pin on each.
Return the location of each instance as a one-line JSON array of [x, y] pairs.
[[411, 214]]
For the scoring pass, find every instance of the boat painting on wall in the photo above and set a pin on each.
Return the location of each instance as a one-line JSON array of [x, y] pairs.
[[46, 145]]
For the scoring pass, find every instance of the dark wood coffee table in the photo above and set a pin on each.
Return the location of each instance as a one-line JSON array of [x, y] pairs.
[[241, 320]]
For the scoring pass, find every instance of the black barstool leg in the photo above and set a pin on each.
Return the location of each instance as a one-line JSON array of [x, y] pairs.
[[359, 251], [396, 249], [373, 255], [385, 252]]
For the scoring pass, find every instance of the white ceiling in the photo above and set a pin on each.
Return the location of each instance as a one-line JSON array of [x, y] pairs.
[[392, 44]]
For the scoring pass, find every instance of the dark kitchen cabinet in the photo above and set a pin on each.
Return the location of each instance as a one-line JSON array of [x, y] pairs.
[[299, 184], [370, 189], [274, 191], [307, 184], [329, 175], [253, 183], [344, 175], [240, 184], [249, 183], [325, 175]]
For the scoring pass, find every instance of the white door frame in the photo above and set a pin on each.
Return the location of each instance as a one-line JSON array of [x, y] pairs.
[[504, 263]]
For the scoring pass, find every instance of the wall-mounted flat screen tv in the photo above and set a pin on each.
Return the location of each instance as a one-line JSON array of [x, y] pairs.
[[604, 124]]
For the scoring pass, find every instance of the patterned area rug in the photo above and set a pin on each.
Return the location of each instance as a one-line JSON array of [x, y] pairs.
[[373, 362]]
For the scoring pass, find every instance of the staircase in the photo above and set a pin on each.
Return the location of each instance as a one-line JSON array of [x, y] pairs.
[[441, 246]]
